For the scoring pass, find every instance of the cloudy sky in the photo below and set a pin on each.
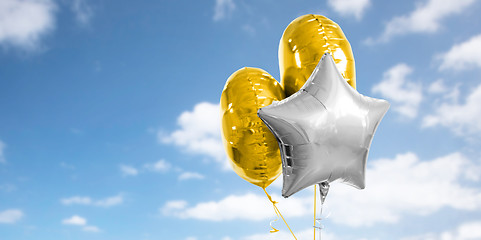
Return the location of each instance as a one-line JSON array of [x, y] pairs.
[[109, 120]]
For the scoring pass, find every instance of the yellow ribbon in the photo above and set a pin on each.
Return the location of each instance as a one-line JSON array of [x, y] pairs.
[[278, 214]]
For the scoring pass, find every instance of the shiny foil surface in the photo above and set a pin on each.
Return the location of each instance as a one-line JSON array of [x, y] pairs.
[[324, 130], [302, 45], [252, 149]]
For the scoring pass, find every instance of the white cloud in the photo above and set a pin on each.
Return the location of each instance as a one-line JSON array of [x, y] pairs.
[[246, 207], [80, 221], [159, 166], [127, 170], [406, 185], [405, 95], [437, 86], [355, 8], [76, 200], [462, 56], [2, 149], [223, 9], [11, 216], [106, 202], [190, 175], [75, 220], [82, 10], [447, 93], [462, 118], [395, 188], [199, 132], [24, 22], [91, 229], [465, 231], [171, 207], [426, 18], [110, 201]]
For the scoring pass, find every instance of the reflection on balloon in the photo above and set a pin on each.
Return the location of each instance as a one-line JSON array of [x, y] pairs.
[[324, 130], [252, 149], [302, 45]]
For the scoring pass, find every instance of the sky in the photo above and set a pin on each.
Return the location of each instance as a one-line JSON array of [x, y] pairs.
[[109, 120]]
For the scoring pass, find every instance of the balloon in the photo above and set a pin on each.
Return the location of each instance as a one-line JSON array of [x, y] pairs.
[[324, 130], [252, 149], [302, 45]]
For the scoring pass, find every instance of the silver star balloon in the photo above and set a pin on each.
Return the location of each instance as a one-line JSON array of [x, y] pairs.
[[324, 131]]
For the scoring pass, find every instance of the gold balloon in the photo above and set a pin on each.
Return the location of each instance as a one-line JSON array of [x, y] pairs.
[[302, 45], [252, 149]]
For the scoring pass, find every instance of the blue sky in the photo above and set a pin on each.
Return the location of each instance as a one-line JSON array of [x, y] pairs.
[[109, 120]]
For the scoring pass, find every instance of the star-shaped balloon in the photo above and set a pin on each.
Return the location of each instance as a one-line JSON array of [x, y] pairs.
[[324, 130]]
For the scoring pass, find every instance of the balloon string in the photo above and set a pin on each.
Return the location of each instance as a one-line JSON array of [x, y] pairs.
[[273, 204], [278, 214], [315, 201], [317, 221], [272, 222]]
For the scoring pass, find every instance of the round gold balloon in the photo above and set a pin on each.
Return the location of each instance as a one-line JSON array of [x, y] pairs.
[[302, 45], [252, 149]]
